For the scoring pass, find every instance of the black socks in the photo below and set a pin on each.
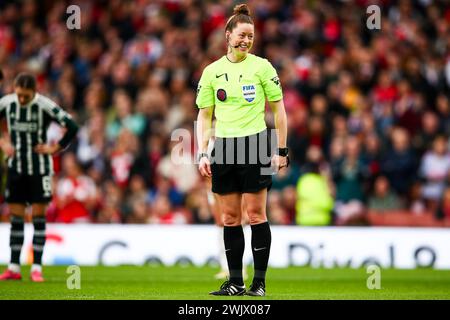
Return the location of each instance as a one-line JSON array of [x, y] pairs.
[[16, 238], [38, 239], [261, 240], [234, 250]]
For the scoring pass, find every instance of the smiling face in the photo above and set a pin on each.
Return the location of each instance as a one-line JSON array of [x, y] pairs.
[[242, 36]]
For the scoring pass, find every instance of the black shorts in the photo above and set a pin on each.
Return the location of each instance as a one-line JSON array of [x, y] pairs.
[[242, 164], [28, 189]]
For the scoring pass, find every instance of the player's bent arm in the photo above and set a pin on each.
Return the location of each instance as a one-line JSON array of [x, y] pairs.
[[280, 121], [57, 114], [204, 127], [72, 130]]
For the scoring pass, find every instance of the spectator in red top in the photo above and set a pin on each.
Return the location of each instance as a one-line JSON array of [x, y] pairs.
[[76, 194], [163, 212], [385, 91], [123, 156]]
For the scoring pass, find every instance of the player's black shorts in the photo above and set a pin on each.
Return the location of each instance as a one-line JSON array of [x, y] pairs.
[[242, 164], [28, 189]]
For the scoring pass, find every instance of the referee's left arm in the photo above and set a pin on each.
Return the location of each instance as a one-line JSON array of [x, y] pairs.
[[279, 113], [274, 94]]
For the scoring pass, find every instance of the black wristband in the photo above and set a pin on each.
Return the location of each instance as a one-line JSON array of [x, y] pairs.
[[283, 152], [201, 155]]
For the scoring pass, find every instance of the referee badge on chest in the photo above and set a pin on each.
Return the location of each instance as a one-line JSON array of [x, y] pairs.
[[249, 92], [221, 95]]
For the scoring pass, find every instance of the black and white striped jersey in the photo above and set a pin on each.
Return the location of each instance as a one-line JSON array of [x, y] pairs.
[[27, 127]]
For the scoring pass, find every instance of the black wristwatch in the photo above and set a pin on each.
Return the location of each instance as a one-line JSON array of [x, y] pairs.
[[201, 155], [283, 152]]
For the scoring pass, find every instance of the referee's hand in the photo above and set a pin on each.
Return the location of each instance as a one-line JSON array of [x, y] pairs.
[[278, 162], [204, 166]]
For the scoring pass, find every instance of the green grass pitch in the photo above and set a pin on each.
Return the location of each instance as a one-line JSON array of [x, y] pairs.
[[194, 283]]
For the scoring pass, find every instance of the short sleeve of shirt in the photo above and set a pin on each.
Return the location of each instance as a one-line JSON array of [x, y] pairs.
[[270, 82], [3, 104], [55, 112], [205, 91]]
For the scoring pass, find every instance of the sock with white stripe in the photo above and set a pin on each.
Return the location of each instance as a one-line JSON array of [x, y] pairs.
[[261, 241], [38, 239], [16, 241], [234, 249], [36, 267]]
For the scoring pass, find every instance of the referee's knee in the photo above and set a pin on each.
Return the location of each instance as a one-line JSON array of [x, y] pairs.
[[232, 220], [256, 216]]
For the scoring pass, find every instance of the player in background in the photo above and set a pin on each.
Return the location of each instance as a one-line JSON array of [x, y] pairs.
[[30, 166]]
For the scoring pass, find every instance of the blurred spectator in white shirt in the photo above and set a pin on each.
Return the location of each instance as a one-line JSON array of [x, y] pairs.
[[434, 169]]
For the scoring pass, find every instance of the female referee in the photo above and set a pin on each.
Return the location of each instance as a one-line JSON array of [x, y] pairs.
[[235, 89]]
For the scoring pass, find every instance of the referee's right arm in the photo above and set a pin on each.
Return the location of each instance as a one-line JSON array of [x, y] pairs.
[[204, 125], [205, 103]]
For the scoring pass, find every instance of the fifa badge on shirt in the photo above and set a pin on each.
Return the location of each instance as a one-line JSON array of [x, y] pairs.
[[249, 92]]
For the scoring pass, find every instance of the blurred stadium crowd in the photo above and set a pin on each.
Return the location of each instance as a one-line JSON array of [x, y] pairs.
[[368, 110]]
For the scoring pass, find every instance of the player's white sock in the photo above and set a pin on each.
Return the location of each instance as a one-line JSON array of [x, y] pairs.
[[36, 267], [14, 267]]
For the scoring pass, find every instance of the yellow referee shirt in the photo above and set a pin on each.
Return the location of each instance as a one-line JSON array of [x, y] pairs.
[[239, 92]]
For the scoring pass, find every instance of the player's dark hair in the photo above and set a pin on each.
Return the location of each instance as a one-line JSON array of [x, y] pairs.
[[241, 14], [26, 81], [1, 75]]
